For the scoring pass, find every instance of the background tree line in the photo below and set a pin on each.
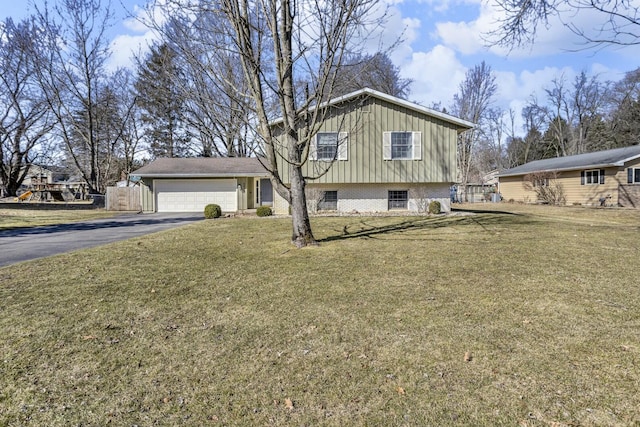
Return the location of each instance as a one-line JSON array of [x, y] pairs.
[[575, 116], [188, 96]]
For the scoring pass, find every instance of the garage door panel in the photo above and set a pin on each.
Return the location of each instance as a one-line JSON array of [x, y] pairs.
[[193, 195]]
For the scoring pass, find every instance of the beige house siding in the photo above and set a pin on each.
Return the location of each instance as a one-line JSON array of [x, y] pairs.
[[365, 120], [513, 188]]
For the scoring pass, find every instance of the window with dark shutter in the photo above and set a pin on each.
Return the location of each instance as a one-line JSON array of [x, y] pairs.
[[630, 176], [582, 178], [601, 176]]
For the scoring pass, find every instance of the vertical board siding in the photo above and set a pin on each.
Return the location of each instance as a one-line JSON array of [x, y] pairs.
[[146, 195], [365, 162]]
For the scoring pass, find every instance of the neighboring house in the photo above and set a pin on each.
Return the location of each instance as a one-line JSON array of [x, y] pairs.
[[611, 177], [373, 153], [37, 175]]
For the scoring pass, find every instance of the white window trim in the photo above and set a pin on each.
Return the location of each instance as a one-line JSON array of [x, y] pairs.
[[416, 145], [389, 200], [591, 171], [342, 150]]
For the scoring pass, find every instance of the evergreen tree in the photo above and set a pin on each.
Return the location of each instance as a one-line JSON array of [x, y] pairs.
[[159, 96]]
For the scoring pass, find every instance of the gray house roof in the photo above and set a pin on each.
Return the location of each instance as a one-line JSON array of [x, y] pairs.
[[201, 167], [599, 159], [462, 124]]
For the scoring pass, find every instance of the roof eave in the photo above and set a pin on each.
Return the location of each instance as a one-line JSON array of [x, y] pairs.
[[199, 175], [463, 124], [572, 168]]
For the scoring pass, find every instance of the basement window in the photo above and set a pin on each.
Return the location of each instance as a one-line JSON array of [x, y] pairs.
[[329, 201], [398, 199]]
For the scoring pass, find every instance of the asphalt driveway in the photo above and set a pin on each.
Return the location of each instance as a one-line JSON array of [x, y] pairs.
[[24, 244]]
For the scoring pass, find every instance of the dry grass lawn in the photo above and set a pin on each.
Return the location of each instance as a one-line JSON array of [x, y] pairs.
[[523, 316], [17, 218]]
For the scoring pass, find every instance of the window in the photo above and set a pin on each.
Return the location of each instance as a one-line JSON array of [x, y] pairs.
[[633, 176], [592, 177], [398, 199], [402, 145], [329, 146], [541, 182], [329, 201]]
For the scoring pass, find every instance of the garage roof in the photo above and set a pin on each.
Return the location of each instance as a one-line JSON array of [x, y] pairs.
[[598, 159], [201, 167]]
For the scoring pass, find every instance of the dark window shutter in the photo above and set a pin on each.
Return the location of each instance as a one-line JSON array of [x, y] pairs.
[[582, 178], [630, 176], [601, 176]]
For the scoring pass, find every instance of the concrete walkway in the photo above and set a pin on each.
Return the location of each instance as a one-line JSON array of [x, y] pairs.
[[24, 244]]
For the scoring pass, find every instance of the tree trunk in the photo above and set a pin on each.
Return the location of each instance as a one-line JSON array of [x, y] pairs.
[[302, 234]]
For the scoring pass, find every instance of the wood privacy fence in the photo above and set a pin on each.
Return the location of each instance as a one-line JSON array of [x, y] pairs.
[[123, 199]]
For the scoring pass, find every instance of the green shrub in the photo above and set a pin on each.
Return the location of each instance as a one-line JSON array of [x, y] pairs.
[[264, 211], [434, 207], [212, 211]]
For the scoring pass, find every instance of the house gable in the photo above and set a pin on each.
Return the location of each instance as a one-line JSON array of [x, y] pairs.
[[365, 119]]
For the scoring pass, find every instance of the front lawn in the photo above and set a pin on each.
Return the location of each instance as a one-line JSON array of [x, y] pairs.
[[525, 318], [18, 218]]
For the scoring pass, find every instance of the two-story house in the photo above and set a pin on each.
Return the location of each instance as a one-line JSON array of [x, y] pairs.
[[372, 153]]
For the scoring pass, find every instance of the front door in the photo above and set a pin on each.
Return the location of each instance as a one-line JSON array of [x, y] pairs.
[[266, 193]]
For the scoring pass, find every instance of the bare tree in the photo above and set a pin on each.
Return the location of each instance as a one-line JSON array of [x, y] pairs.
[[130, 141], [588, 104], [72, 74], [305, 41], [24, 117], [623, 124], [618, 24], [216, 104], [546, 186], [472, 103], [570, 113], [373, 71]]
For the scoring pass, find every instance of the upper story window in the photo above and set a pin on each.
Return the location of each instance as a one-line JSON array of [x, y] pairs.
[[329, 146], [633, 176], [592, 177], [402, 145]]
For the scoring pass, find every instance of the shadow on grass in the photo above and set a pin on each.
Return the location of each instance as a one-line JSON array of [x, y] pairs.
[[482, 219], [117, 223], [480, 211]]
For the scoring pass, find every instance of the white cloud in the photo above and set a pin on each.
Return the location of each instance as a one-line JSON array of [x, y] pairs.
[[476, 33], [139, 37], [124, 47], [436, 75]]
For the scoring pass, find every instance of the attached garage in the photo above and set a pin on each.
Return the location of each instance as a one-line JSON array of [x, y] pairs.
[[189, 184], [192, 195]]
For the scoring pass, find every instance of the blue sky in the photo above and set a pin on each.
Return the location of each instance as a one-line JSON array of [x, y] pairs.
[[442, 39]]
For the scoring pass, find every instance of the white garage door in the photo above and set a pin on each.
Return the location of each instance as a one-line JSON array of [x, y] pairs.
[[189, 195]]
